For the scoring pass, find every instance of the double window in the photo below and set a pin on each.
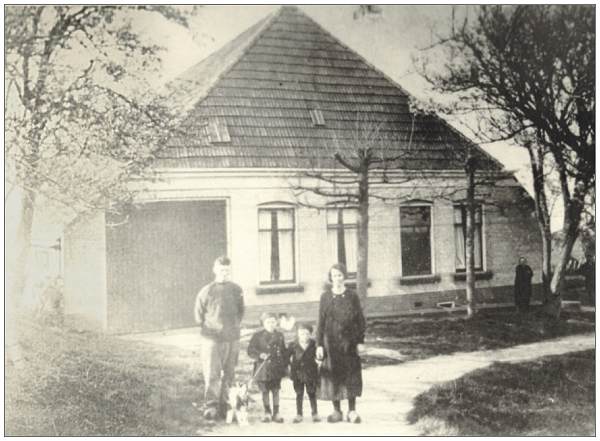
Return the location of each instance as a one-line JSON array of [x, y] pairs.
[[342, 237], [460, 238], [415, 240], [276, 245]]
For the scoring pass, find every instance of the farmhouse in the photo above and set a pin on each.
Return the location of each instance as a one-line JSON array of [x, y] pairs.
[[272, 103]]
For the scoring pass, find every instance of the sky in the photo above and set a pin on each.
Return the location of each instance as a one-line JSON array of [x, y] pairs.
[[388, 42]]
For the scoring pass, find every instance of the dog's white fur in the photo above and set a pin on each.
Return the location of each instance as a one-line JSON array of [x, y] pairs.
[[237, 404]]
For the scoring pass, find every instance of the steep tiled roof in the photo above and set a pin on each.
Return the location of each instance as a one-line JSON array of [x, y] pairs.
[[263, 85]]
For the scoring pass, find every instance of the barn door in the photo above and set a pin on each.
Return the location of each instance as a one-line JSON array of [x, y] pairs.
[[158, 260]]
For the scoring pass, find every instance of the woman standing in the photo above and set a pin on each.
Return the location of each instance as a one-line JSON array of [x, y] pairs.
[[340, 338]]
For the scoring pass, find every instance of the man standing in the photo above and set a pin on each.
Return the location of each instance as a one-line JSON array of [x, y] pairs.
[[523, 276], [219, 310]]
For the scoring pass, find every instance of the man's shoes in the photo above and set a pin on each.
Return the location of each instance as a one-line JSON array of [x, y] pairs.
[[266, 418], [316, 418], [297, 419], [353, 417], [335, 417], [277, 418]]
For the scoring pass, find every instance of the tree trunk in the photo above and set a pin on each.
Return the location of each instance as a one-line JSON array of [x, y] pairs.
[[470, 239], [16, 274], [570, 232], [363, 234], [542, 215]]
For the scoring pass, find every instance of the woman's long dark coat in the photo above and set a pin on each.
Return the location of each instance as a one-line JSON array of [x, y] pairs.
[[523, 276], [340, 329]]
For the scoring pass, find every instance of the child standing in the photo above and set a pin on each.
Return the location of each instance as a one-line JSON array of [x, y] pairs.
[[267, 348], [304, 371]]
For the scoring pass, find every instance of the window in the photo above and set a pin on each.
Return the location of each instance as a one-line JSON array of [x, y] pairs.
[[317, 117], [276, 245], [342, 237], [460, 237], [415, 239], [217, 131]]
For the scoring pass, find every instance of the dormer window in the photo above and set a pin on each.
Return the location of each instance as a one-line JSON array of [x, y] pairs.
[[217, 131], [317, 117]]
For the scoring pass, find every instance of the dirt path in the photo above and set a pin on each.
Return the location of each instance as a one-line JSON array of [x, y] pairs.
[[390, 390]]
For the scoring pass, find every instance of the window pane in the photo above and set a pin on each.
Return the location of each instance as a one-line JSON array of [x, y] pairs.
[[286, 255], [332, 249], [460, 240], [350, 216], [478, 249], [332, 216], [350, 236], [264, 219], [415, 225], [264, 256], [457, 215], [285, 219], [459, 247]]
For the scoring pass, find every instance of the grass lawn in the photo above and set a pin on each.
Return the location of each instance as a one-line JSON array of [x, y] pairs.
[[417, 338], [549, 396], [73, 383]]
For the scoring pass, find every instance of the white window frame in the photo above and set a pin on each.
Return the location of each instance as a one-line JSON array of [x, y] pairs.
[[431, 206], [279, 205], [351, 275], [483, 241]]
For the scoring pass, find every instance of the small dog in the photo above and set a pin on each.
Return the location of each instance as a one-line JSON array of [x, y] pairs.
[[237, 404]]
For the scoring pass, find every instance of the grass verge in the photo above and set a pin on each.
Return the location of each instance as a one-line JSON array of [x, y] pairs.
[[550, 396], [72, 383], [417, 338]]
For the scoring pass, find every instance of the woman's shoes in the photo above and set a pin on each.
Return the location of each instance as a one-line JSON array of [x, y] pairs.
[[353, 417], [335, 417]]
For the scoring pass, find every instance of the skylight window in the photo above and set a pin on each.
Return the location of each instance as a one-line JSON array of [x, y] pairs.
[[217, 131], [317, 117]]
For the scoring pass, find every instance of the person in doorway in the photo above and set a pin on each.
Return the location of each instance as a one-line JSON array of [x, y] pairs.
[[218, 311], [523, 276], [340, 338]]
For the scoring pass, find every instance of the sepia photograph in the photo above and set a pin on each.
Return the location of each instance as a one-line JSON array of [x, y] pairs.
[[299, 220]]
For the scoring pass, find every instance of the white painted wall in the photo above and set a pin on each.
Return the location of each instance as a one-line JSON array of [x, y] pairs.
[[509, 233]]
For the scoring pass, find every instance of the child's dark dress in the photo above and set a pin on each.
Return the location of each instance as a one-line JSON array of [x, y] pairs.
[[340, 329], [272, 343]]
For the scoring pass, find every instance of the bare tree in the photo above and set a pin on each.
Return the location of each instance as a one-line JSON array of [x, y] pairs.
[[345, 173], [79, 123], [528, 73], [369, 163]]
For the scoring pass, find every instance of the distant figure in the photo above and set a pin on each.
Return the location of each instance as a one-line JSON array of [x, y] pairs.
[[340, 340], [523, 276], [219, 310]]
